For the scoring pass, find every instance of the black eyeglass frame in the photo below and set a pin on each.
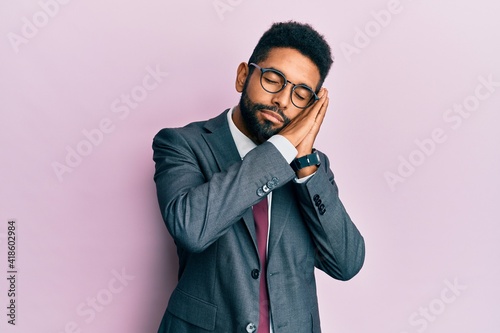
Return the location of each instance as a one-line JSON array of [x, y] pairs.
[[314, 96]]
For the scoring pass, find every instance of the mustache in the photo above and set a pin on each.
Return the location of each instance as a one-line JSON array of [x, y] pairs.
[[272, 108]]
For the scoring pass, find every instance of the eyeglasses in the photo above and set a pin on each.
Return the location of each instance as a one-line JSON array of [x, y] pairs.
[[273, 81]]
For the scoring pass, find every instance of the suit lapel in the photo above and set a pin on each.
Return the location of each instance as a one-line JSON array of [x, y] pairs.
[[221, 143]]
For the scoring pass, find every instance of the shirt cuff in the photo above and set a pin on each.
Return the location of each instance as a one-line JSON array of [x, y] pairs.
[[284, 146], [303, 179]]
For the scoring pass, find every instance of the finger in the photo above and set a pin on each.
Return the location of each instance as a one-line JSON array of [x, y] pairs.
[[322, 111], [307, 122], [312, 112], [323, 106]]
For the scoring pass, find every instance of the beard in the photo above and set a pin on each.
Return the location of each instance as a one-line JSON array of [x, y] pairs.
[[260, 131]]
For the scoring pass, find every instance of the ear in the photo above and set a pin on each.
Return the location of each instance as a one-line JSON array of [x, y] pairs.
[[241, 76]]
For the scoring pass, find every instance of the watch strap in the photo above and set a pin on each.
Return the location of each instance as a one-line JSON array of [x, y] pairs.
[[306, 160]]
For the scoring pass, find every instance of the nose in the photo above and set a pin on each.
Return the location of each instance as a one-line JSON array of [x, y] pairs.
[[282, 99]]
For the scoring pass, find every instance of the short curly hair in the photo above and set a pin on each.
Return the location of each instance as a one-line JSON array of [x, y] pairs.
[[299, 36]]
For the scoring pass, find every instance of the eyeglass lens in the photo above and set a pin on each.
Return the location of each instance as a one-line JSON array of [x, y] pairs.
[[273, 82]]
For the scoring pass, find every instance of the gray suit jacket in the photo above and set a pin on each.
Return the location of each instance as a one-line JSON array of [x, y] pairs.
[[206, 192]]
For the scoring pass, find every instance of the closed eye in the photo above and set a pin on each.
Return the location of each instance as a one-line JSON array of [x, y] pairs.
[[271, 81], [299, 96]]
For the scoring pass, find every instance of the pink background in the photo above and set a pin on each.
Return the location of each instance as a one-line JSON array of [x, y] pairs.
[[393, 84]]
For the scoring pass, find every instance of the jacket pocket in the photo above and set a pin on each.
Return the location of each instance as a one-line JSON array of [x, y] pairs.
[[192, 309]]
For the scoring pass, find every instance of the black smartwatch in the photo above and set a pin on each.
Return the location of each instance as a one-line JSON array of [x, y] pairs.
[[305, 161]]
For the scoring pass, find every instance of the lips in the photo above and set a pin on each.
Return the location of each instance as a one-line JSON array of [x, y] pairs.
[[272, 116]]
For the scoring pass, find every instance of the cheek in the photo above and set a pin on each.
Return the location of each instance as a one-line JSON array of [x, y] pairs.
[[255, 91]]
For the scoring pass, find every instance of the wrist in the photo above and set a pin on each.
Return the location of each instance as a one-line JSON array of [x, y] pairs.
[[306, 164], [304, 152]]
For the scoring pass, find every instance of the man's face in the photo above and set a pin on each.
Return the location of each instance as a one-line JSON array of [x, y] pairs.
[[261, 129], [265, 114]]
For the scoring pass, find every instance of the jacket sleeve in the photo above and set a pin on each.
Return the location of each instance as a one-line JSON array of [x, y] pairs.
[[198, 208], [340, 248]]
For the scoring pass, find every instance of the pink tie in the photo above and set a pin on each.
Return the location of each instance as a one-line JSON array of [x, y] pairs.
[[261, 227]]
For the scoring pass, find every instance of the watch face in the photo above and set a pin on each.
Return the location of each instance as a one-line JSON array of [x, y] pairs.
[[316, 161]]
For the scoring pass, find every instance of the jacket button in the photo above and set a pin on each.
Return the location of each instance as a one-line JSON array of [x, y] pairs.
[[251, 328], [260, 192], [255, 274]]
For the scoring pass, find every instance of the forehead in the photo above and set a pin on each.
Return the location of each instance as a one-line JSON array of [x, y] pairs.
[[297, 68]]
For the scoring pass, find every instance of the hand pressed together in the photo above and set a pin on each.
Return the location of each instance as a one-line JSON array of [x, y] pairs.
[[304, 128]]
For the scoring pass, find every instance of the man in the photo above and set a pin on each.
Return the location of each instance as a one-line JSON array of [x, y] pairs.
[[252, 207]]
